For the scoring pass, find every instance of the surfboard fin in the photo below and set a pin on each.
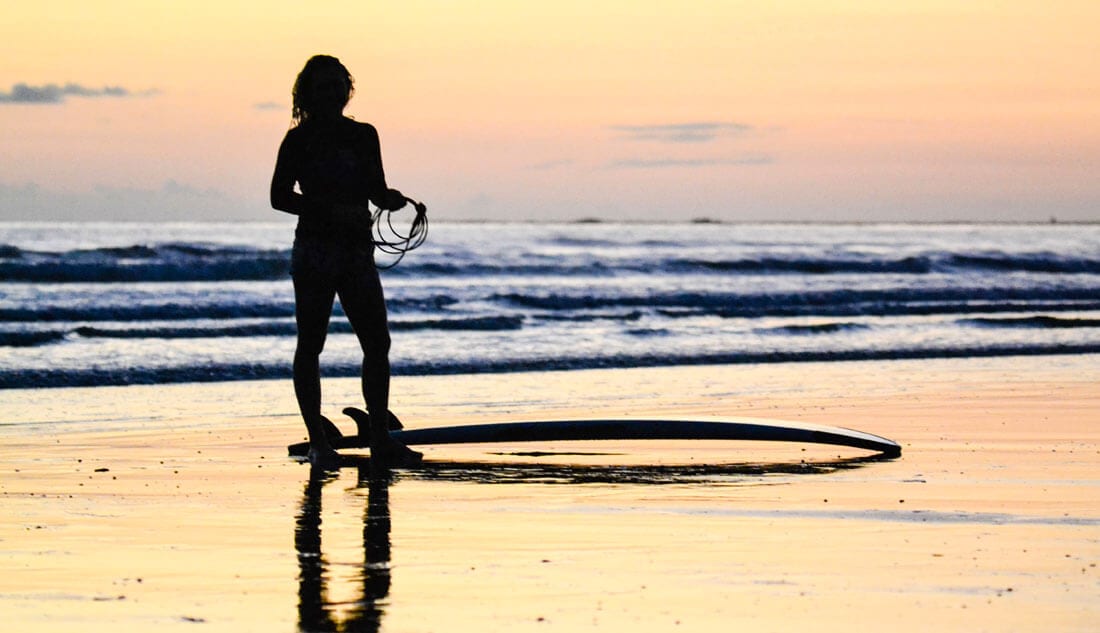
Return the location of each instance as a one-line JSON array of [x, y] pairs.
[[362, 420], [332, 432]]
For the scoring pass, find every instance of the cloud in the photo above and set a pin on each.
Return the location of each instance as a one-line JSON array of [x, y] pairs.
[[692, 132], [270, 105], [660, 163], [54, 93]]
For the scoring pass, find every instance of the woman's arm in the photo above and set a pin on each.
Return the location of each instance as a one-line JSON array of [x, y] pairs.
[[381, 195], [283, 196]]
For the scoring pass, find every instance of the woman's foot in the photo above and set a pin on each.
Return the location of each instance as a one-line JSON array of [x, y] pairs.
[[394, 454], [324, 457], [322, 432]]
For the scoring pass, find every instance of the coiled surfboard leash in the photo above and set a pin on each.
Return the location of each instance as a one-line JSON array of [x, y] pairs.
[[390, 240]]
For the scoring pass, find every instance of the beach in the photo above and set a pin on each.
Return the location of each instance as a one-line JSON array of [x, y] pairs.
[[176, 506]]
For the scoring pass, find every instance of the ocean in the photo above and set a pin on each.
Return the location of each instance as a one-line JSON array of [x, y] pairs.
[[112, 304]]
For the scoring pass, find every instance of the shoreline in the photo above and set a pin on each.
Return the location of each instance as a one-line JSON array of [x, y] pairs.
[[258, 373], [273, 397], [173, 505]]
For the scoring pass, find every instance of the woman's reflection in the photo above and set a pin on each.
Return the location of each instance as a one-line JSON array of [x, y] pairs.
[[315, 613]]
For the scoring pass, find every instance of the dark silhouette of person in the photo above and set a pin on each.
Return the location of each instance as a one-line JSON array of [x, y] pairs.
[[315, 612], [336, 163]]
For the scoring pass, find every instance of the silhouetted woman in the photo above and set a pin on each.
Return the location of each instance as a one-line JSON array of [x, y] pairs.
[[336, 163]]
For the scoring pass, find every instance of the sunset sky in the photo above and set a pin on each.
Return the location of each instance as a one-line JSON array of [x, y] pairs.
[[621, 110]]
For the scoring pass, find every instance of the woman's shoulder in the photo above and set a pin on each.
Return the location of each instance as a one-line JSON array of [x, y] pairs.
[[362, 127], [294, 135], [350, 129]]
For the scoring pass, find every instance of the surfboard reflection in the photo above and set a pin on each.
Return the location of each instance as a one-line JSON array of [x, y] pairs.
[[518, 471], [315, 611]]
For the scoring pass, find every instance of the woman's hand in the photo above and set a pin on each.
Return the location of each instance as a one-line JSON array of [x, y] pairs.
[[392, 200]]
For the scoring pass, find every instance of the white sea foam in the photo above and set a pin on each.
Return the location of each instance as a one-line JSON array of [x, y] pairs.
[[116, 304]]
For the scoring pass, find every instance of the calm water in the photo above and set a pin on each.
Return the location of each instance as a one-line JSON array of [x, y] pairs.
[[92, 304]]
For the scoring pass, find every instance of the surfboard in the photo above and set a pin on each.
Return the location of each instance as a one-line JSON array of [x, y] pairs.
[[749, 429]]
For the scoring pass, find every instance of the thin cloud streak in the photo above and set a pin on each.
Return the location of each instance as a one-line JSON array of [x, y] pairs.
[[55, 93], [692, 132], [661, 163], [174, 201]]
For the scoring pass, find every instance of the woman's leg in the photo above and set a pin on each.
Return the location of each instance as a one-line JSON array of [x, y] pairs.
[[312, 309], [364, 304]]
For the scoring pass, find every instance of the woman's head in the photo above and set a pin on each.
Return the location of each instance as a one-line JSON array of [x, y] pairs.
[[323, 87]]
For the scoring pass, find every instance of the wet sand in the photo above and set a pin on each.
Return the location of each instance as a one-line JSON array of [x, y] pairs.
[[175, 507]]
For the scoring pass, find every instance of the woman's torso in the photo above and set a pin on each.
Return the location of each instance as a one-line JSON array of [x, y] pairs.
[[337, 163]]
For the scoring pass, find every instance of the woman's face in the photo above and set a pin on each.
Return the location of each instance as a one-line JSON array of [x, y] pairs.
[[329, 89]]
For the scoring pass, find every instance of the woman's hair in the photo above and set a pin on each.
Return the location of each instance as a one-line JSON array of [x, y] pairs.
[[303, 94]]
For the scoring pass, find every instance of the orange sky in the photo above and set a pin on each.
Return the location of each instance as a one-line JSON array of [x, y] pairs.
[[522, 110]]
